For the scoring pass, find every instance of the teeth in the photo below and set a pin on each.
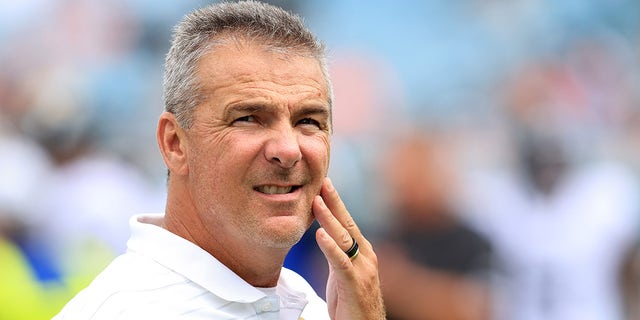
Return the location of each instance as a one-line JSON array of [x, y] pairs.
[[274, 189]]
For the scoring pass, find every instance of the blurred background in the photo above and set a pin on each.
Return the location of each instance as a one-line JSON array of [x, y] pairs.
[[489, 149]]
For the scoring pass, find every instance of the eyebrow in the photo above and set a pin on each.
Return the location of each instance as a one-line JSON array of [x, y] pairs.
[[304, 110], [247, 108], [313, 110]]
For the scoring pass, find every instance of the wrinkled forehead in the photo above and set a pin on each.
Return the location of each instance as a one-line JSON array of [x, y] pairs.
[[286, 48], [238, 60]]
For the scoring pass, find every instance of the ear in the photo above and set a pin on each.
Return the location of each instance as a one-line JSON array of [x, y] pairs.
[[173, 144]]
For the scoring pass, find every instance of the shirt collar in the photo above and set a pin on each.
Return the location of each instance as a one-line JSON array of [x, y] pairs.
[[187, 259]]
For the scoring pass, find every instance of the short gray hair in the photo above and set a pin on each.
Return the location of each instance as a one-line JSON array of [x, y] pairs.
[[202, 29]]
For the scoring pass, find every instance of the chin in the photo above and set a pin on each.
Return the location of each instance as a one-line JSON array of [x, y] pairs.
[[283, 234]]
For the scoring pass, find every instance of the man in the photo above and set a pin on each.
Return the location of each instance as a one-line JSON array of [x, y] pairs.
[[434, 264], [246, 137]]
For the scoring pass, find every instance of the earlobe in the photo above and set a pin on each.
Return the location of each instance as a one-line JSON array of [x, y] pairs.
[[173, 144]]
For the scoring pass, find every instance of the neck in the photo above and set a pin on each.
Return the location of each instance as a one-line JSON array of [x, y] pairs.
[[258, 265]]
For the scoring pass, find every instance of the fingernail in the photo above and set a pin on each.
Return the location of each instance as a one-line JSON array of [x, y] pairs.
[[330, 184], [322, 233], [322, 204]]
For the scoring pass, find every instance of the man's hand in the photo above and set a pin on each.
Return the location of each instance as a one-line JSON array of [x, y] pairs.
[[353, 287]]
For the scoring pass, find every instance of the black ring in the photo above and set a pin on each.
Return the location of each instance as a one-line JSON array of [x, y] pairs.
[[353, 251]]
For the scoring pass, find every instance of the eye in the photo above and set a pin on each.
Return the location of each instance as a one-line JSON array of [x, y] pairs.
[[309, 121], [245, 119]]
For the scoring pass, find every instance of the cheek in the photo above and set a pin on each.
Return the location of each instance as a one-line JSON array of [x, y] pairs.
[[227, 151], [319, 167], [211, 166], [317, 151], [327, 152]]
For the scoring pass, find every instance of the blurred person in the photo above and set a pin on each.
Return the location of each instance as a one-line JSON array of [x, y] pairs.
[[64, 221], [245, 137], [33, 286], [433, 265], [561, 223], [83, 203]]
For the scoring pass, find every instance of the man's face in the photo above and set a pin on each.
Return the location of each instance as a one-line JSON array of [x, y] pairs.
[[259, 145]]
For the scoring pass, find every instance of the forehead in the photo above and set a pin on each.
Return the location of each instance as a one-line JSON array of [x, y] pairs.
[[236, 67]]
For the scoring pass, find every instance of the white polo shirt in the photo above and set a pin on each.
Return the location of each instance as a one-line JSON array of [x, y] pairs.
[[163, 276]]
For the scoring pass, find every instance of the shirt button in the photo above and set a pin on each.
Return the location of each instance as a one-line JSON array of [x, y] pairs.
[[267, 307]]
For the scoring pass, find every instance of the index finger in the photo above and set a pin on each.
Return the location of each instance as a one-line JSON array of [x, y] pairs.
[[337, 207]]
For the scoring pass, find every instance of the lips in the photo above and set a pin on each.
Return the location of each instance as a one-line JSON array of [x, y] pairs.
[[271, 189]]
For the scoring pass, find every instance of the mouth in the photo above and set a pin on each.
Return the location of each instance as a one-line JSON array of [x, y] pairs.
[[271, 189]]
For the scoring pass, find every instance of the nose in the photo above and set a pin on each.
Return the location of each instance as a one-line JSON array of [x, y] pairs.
[[283, 148]]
